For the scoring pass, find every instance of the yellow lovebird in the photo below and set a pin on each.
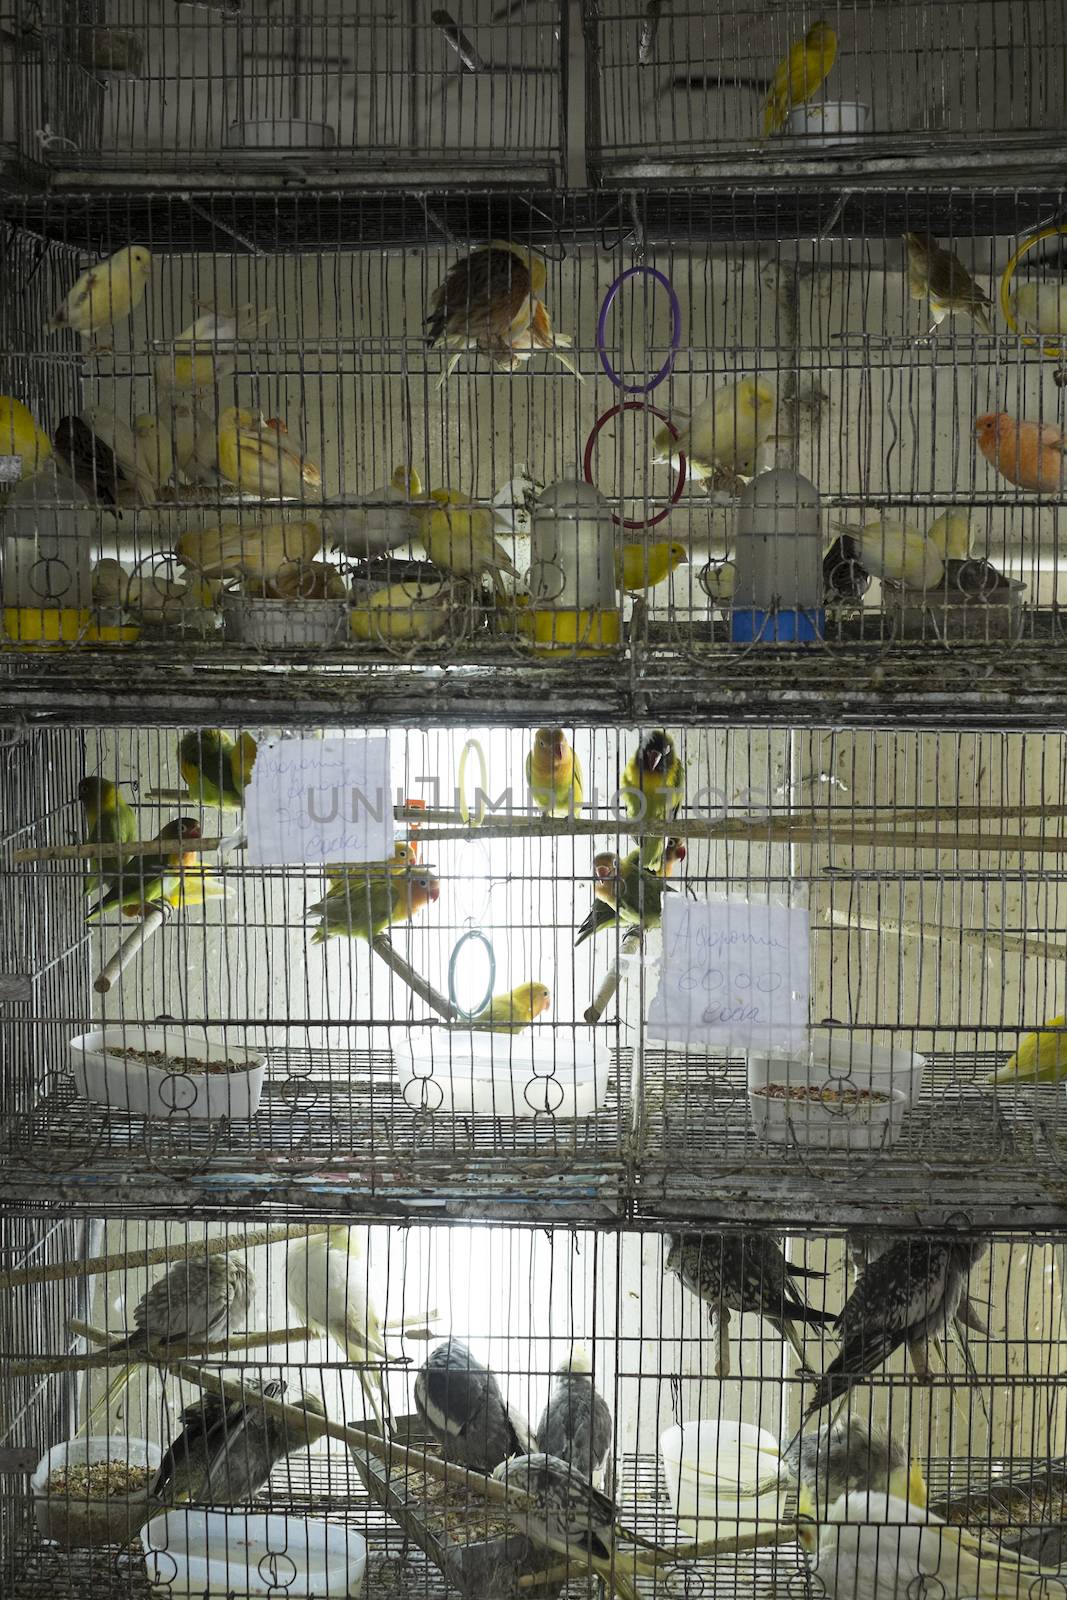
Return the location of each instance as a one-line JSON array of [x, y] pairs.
[[458, 537], [653, 782], [511, 1012], [1040, 1058], [217, 768], [798, 77], [109, 819], [251, 455], [642, 566], [950, 535], [106, 293], [373, 901], [21, 436], [724, 431], [554, 774]]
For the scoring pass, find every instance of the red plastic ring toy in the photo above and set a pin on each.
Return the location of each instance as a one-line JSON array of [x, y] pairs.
[[590, 446]]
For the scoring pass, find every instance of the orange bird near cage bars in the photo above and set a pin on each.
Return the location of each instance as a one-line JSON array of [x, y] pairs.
[[1031, 454], [492, 301]]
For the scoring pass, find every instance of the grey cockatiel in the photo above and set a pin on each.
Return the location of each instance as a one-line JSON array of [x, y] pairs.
[[744, 1272], [848, 1457], [863, 1248], [566, 1515], [906, 1297], [576, 1423], [460, 1402], [228, 1448]]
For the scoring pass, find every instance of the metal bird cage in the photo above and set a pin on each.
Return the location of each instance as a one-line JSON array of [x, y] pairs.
[[677, 92], [201, 1040], [982, 1430], [808, 294], [202, 94]]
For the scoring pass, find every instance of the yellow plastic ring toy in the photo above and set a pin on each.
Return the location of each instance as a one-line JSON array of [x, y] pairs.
[[1051, 352]]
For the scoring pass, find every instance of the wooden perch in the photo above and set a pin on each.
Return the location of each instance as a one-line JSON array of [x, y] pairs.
[[1022, 943], [137, 1260], [130, 947], [95, 1361], [425, 991], [631, 941], [110, 852]]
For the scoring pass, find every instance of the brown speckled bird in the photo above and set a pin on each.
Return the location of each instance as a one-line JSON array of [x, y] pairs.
[[491, 301], [940, 276]]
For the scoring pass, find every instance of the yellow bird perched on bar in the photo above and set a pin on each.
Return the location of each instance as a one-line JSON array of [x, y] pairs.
[[554, 774], [511, 1012], [799, 75], [106, 293], [217, 769], [491, 301], [1040, 1058], [370, 902], [252, 455]]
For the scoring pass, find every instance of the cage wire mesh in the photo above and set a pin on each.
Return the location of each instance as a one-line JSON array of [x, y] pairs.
[[503, 1331], [681, 91], [315, 88], [298, 468], [185, 1028]]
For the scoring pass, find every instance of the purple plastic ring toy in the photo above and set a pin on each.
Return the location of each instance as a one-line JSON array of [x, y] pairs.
[[590, 446], [602, 323]]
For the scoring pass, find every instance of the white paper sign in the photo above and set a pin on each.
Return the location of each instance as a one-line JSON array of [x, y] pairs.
[[318, 800], [732, 974]]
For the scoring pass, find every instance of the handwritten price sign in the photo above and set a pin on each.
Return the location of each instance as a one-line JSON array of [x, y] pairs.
[[316, 800], [732, 974]]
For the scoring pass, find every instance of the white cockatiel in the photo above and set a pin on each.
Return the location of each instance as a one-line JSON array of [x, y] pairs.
[[328, 1288], [878, 1547]]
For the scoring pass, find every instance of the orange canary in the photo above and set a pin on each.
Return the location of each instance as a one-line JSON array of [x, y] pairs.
[[1031, 454]]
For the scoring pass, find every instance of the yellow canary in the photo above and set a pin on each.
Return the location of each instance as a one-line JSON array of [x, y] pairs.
[[1040, 1058], [203, 353], [21, 436], [411, 612], [154, 448], [950, 535], [889, 548], [106, 293], [653, 783], [458, 537], [642, 566], [1041, 307], [251, 455], [554, 774], [511, 1012], [373, 901], [724, 431], [800, 74]]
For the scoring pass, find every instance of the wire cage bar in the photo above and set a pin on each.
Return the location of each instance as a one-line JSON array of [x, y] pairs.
[[183, 1028], [329, 1345], [861, 92], [309, 480], [140, 91]]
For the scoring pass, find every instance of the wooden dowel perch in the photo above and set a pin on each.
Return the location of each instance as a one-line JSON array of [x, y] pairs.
[[631, 941], [130, 947], [136, 1260], [425, 991], [110, 852], [1022, 943], [97, 1360]]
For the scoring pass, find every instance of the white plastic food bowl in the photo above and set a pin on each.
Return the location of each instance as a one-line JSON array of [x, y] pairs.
[[72, 1521], [502, 1075], [832, 122], [712, 1470], [284, 622], [898, 1074], [136, 1086], [861, 1125], [237, 1553]]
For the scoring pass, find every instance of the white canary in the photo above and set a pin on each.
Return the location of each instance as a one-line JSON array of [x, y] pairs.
[[124, 445], [950, 535], [889, 548], [203, 353], [327, 1284], [1041, 307], [878, 1547], [154, 447], [724, 431], [386, 521], [106, 293]]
